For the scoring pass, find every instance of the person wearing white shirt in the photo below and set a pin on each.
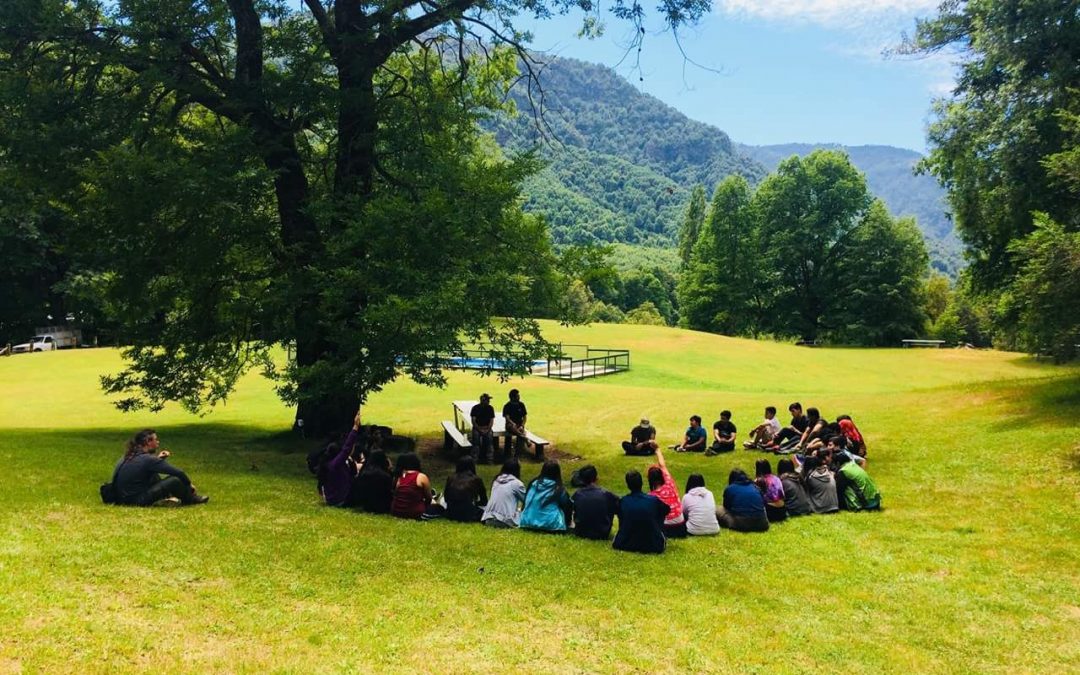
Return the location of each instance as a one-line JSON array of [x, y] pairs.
[[699, 507]]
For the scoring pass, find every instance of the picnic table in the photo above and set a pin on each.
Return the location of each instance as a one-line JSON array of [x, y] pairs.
[[457, 432]]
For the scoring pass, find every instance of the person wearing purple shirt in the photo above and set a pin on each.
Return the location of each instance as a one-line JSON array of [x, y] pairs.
[[341, 470]]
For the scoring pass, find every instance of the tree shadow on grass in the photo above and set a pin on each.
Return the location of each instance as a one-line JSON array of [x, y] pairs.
[[1042, 403], [195, 447]]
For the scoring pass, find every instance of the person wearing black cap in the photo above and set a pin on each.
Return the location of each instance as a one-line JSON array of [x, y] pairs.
[[483, 417]]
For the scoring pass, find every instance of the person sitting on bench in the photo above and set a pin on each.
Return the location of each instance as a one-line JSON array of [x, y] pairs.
[[694, 439], [482, 436], [642, 439], [137, 479], [515, 414]]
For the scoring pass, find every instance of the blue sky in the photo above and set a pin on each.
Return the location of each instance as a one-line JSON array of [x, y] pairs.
[[788, 71]]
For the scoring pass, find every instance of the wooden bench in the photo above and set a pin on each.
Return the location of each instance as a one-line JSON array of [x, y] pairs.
[[923, 343], [453, 439], [538, 442]]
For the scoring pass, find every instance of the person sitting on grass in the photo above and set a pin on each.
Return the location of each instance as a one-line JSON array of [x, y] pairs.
[[694, 439], [795, 499], [507, 497], [137, 476], [641, 520], [763, 434], [816, 431], [482, 434], [341, 470], [642, 439], [723, 435], [548, 507], [515, 414], [772, 488], [784, 440], [855, 442], [373, 489], [465, 494], [744, 505], [860, 493], [412, 489], [662, 486], [820, 486], [594, 507], [699, 507]]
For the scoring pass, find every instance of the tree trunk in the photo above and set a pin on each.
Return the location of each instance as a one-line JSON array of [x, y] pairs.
[[327, 412]]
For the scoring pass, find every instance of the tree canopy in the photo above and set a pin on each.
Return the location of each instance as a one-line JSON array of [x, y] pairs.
[[247, 174]]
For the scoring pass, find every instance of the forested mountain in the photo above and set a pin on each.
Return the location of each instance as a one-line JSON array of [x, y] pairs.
[[621, 163], [889, 174]]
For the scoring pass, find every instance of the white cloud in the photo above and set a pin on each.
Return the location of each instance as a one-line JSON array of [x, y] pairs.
[[830, 13]]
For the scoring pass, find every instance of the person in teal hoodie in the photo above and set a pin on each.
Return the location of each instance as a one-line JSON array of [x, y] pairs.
[[860, 491], [547, 505]]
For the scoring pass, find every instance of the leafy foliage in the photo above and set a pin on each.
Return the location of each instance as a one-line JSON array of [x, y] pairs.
[[993, 140]]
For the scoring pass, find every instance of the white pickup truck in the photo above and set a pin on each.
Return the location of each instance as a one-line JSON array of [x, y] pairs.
[[48, 340]]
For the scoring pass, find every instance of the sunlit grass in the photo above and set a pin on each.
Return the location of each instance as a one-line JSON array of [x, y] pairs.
[[972, 565]]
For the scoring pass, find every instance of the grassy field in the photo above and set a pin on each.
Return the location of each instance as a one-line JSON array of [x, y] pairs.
[[972, 566]]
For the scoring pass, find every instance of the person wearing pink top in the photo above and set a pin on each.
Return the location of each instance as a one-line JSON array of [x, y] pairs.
[[662, 486]]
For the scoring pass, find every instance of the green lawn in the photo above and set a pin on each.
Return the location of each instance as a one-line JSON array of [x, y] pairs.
[[973, 565]]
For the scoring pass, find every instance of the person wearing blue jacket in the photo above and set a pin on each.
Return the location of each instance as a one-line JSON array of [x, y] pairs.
[[641, 519], [548, 507], [744, 505]]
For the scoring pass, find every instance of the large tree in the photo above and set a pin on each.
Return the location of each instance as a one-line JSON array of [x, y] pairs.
[[247, 174], [809, 208], [994, 140]]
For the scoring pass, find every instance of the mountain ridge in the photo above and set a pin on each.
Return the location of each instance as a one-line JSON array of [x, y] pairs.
[[625, 163]]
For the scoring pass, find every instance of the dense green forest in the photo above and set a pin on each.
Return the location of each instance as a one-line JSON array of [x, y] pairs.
[[621, 163]]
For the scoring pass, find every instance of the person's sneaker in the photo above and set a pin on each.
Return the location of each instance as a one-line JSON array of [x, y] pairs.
[[749, 445], [167, 502], [200, 499], [711, 453]]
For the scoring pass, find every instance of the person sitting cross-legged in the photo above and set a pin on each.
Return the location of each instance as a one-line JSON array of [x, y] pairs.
[[662, 486], [641, 520], [694, 438], [744, 505], [699, 507], [548, 507], [642, 439], [464, 493], [723, 435], [503, 509], [594, 507], [137, 476], [373, 489]]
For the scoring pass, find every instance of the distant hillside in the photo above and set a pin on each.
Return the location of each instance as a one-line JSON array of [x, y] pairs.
[[889, 174], [622, 163]]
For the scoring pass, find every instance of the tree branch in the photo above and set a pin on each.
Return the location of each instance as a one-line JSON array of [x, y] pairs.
[[326, 25]]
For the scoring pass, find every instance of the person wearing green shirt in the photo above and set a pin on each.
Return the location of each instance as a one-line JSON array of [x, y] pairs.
[[860, 492]]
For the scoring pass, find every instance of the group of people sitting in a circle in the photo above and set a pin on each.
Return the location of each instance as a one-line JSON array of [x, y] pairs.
[[823, 474]]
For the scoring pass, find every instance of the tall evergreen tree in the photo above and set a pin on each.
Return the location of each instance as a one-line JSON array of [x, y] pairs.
[[721, 289], [881, 268], [690, 228]]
